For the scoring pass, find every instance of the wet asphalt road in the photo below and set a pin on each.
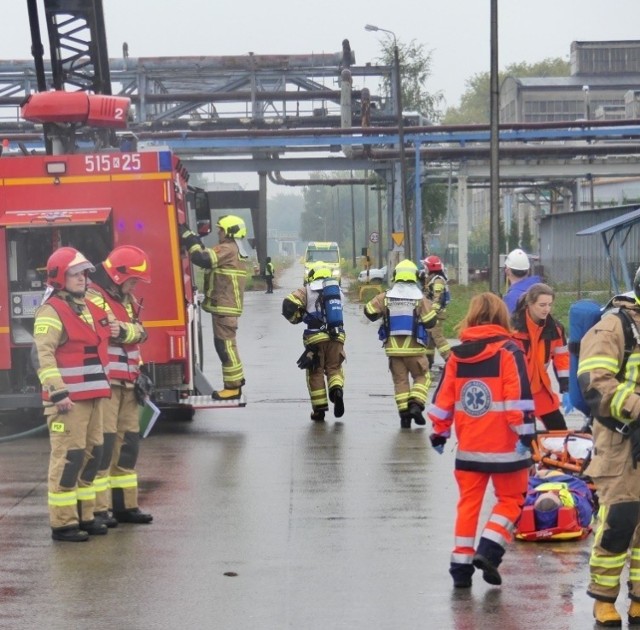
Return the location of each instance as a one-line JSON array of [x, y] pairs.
[[265, 520]]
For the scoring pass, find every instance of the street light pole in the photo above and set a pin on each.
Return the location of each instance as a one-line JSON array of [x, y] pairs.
[[403, 163]]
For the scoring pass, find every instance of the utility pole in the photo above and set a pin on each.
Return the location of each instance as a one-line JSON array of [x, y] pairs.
[[494, 157]]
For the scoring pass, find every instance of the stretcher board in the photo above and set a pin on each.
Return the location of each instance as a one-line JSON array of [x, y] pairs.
[[565, 450]]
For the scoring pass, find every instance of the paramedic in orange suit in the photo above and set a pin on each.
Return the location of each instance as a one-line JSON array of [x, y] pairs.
[[544, 342], [484, 392]]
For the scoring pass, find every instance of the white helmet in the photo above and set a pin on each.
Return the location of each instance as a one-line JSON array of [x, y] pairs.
[[518, 260]]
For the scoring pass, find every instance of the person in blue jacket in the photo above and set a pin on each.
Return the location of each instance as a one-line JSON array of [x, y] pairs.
[[516, 270]]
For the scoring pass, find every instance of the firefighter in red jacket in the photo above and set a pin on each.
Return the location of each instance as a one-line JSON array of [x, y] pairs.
[[111, 288], [484, 392], [70, 336], [544, 342]]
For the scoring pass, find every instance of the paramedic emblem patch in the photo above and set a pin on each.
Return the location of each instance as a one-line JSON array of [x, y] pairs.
[[475, 398]]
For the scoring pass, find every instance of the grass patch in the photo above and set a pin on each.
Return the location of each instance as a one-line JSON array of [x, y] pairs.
[[461, 295]]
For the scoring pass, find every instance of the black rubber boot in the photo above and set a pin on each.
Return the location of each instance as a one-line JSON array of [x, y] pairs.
[[133, 515], [94, 527], [405, 420], [488, 558], [106, 519], [72, 533], [415, 411], [336, 396], [317, 415], [461, 574]]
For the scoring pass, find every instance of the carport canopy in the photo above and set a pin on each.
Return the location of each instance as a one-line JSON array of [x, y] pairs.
[[617, 230]]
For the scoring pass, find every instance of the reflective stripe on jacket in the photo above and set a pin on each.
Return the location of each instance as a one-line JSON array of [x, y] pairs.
[[225, 281], [611, 394], [485, 394], [124, 358], [82, 359], [543, 344], [402, 341]]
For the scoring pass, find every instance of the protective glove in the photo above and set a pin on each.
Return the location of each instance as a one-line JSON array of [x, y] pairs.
[[188, 238], [522, 449], [142, 388], [308, 359], [438, 440], [634, 440], [567, 405]]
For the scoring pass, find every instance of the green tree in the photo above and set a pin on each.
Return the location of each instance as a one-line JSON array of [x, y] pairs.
[[527, 237], [434, 207], [415, 70], [474, 103], [514, 234], [502, 237], [316, 217]]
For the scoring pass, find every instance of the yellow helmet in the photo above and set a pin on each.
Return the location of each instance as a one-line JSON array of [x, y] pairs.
[[318, 272], [232, 225], [405, 271]]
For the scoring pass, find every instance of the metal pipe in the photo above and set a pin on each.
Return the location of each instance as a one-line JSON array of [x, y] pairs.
[[277, 178]]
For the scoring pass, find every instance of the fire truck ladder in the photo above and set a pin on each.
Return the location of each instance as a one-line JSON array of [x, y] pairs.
[[78, 47]]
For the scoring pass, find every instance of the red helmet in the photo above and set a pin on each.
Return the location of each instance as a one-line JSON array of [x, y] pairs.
[[127, 261], [432, 263], [62, 260]]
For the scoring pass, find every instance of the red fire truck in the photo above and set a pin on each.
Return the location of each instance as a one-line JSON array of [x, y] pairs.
[[94, 201]]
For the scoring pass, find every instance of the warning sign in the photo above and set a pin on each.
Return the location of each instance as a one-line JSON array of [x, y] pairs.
[[398, 237]]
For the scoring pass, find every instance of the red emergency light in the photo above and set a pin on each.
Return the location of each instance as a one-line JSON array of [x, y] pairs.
[[93, 110]]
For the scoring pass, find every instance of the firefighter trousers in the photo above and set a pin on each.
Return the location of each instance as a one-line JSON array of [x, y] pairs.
[[618, 535], [416, 367], [117, 481], [224, 340], [331, 355], [76, 450], [436, 340], [509, 490]]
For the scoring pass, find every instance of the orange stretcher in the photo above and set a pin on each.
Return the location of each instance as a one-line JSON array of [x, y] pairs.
[[569, 451]]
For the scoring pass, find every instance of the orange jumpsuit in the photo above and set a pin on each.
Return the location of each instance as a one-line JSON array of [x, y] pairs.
[[485, 394]]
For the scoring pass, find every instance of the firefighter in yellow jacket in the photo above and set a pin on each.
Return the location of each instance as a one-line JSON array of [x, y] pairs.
[[406, 316], [111, 289], [610, 381], [70, 336], [323, 339], [224, 282]]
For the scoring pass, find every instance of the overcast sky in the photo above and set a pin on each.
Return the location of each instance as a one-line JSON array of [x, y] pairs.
[[456, 30]]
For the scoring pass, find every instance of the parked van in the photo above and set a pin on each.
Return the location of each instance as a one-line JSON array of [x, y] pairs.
[[326, 252]]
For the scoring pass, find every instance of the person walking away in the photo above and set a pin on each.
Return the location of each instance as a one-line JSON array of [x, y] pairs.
[[269, 273], [610, 382], [319, 305], [544, 342], [406, 316], [484, 393], [111, 288], [70, 339], [225, 279], [434, 281], [517, 268]]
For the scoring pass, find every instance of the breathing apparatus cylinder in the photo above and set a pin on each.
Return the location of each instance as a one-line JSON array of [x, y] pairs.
[[332, 302]]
